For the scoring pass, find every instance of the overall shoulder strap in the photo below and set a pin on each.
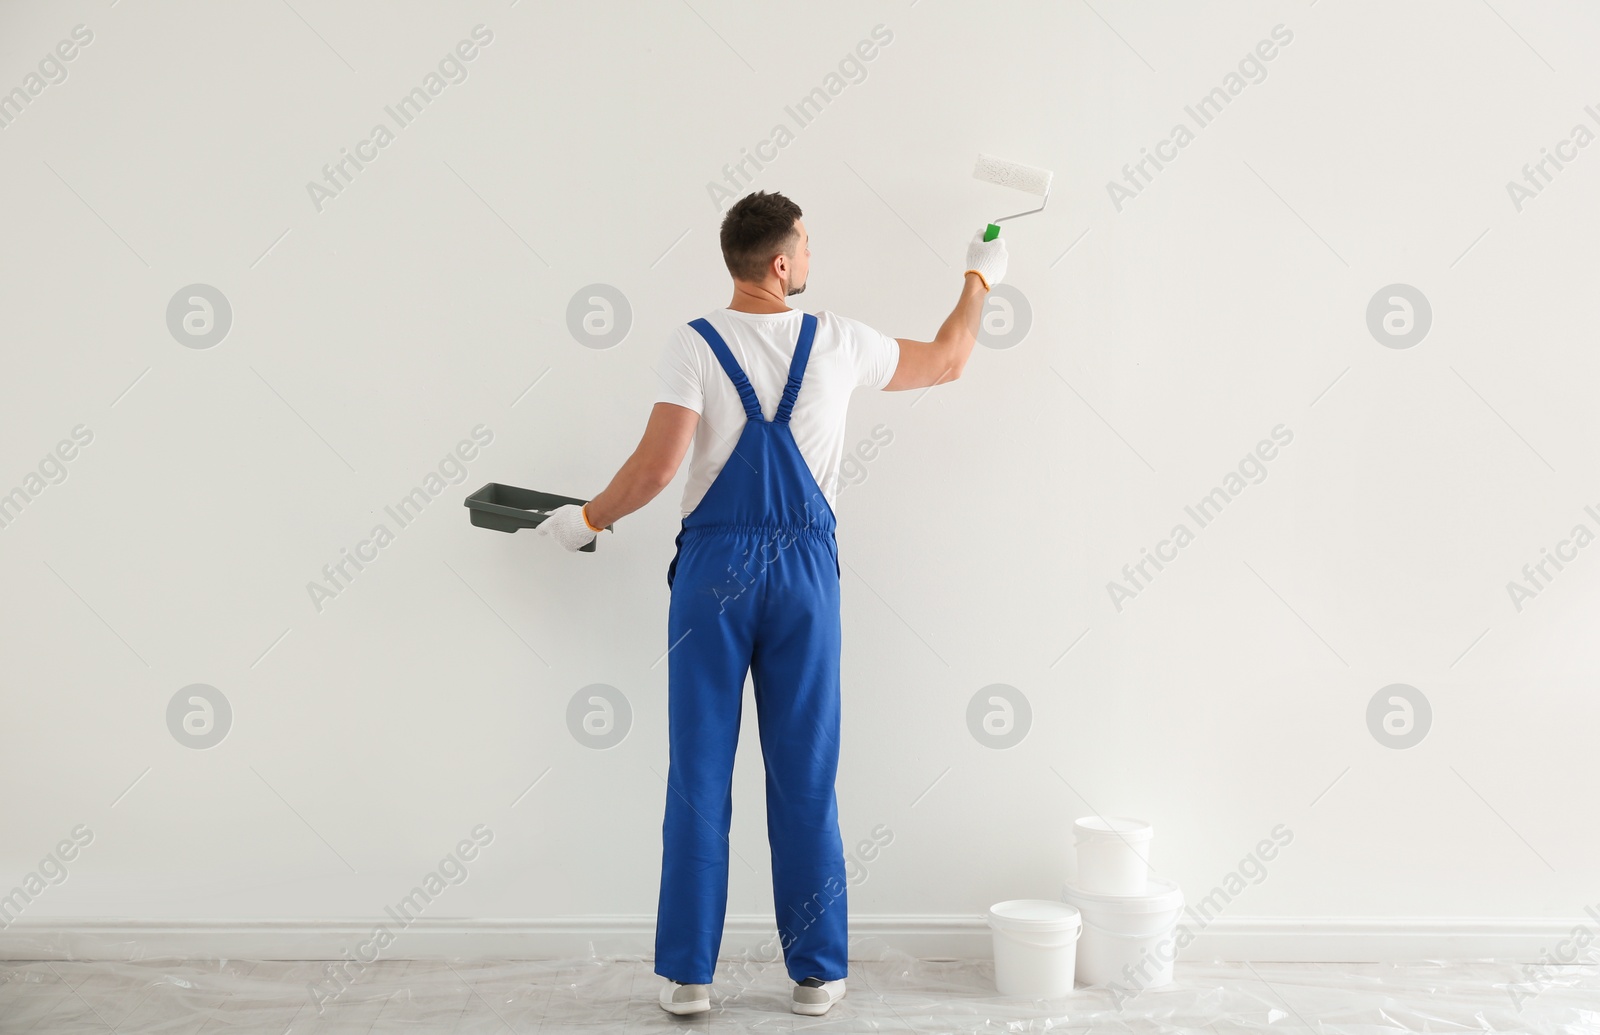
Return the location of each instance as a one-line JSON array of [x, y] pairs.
[[797, 368], [747, 394]]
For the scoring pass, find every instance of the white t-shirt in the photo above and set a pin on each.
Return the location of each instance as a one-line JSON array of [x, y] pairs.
[[845, 355]]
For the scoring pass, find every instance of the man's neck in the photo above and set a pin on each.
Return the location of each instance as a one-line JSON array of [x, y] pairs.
[[758, 298]]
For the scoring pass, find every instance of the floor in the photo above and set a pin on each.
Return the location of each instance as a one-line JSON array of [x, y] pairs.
[[894, 994]]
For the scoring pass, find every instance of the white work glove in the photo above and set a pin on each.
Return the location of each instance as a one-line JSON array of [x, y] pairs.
[[987, 259], [567, 526]]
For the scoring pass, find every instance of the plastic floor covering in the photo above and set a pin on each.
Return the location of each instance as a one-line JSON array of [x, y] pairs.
[[895, 993]]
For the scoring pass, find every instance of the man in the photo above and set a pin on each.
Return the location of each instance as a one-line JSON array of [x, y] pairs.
[[755, 583]]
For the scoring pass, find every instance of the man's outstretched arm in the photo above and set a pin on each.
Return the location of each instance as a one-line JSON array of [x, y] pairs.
[[652, 466], [927, 363]]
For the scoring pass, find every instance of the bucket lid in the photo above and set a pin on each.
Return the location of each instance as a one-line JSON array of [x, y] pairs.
[[1104, 828], [1160, 896], [1034, 914]]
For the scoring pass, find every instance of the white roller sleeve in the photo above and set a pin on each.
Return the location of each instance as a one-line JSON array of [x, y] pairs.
[[1012, 174]]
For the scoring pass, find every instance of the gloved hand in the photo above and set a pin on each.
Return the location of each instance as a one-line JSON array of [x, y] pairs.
[[987, 259], [567, 526]]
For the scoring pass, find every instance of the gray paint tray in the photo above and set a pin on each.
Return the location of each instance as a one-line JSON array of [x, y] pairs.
[[506, 508]]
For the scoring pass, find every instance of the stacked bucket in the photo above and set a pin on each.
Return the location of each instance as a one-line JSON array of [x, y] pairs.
[[1115, 923]]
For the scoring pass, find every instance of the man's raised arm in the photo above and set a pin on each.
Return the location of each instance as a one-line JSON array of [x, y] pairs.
[[927, 363]]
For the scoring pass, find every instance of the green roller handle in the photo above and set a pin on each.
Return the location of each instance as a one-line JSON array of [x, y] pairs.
[[992, 232]]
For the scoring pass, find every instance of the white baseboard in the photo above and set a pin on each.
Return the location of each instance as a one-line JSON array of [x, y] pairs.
[[1298, 939]]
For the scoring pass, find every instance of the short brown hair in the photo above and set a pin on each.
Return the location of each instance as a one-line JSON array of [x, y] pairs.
[[756, 228]]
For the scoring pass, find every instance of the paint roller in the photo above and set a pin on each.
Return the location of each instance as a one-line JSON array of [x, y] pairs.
[[1016, 176]]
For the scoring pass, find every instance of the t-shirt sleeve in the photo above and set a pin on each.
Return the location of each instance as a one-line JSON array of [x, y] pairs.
[[678, 374], [876, 354]]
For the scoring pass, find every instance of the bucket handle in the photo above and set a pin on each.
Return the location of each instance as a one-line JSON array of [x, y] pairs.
[[1022, 936], [1122, 934]]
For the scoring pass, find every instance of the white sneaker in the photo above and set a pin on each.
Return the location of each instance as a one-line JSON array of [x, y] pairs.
[[814, 1002], [680, 999]]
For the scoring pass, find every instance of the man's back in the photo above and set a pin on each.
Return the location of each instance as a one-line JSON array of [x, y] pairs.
[[845, 355]]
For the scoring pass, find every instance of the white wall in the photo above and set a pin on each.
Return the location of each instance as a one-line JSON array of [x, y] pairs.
[[1167, 339]]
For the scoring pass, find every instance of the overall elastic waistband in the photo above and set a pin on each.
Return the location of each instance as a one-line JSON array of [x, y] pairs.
[[794, 531]]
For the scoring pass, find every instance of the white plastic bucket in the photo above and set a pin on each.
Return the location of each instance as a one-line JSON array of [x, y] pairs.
[[1128, 939], [1113, 854], [1035, 947]]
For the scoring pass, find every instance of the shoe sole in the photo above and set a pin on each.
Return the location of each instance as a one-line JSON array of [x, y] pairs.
[[812, 1009], [680, 1009]]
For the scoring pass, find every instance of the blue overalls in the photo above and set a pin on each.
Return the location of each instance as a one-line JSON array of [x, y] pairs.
[[755, 586]]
